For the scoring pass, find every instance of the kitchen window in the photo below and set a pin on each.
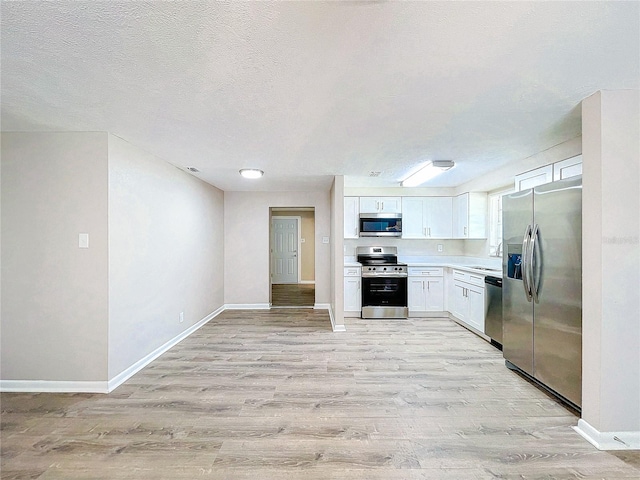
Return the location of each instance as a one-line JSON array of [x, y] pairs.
[[495, 222]]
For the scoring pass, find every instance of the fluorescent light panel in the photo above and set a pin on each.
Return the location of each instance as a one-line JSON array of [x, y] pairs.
[[429, 171], [251, 173]]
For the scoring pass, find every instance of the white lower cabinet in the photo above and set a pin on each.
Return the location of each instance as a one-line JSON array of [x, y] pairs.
[[426, 290], [468, 303], [352, 291]]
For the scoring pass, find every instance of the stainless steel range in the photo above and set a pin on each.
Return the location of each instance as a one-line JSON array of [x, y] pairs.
[[384, 283]]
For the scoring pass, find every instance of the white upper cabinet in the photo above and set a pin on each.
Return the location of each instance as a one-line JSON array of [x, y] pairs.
[[380, 205], [351, 217], [427, 217], [533, 178], [470, 215], [571, 167]]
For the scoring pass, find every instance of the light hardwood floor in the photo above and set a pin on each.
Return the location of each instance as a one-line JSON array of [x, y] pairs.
[[293, 295], [277, 395]]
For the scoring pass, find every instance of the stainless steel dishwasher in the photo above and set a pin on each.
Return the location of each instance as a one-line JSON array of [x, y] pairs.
[[493, 320]]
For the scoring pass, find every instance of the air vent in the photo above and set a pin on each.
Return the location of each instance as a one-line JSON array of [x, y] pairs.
[[192, 169], [374, 174]]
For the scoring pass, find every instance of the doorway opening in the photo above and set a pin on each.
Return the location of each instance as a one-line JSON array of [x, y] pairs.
[[292, 257]]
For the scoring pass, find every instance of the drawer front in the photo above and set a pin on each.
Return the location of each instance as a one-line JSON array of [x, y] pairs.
[[461, 276], [472, 278], [351, 271], [476, 279], [425, 271]]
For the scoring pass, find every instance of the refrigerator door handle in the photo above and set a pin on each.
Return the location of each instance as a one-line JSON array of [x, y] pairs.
[[534, 257], [525, 264]]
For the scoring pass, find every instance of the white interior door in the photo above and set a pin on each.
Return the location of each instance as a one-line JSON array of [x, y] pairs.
[[284, 250]]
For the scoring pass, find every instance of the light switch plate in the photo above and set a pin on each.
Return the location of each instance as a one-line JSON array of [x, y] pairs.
[[439, 247], [325, 239], [83, 240]]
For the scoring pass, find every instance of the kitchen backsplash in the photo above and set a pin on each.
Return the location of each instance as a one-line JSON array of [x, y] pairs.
[[420, 248]]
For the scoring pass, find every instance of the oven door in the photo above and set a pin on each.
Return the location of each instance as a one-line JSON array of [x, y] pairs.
[[384, 291]]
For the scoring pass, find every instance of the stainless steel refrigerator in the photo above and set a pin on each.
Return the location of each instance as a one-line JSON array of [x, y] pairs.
[[542, 285]]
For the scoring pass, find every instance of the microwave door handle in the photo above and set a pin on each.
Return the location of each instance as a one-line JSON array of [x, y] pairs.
[[524, 268]]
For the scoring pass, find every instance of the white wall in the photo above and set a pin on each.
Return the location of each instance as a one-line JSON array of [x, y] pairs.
[[246, 243], [337, 252], [165, 252], [54, 294], [611, 261]]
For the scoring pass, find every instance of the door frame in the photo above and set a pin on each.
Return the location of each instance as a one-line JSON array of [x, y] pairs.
[[298, 220]]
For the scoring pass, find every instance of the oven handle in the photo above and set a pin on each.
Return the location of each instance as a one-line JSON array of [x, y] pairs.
[[384, 275]]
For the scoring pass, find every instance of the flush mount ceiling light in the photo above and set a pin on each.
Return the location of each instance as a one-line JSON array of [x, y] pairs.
[[251, 173], [427, 172]]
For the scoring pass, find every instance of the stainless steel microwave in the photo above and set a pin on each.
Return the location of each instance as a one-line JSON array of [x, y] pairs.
[[380, 225]]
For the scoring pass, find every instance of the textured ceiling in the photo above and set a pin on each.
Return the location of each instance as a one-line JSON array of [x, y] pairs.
[[309, 90]]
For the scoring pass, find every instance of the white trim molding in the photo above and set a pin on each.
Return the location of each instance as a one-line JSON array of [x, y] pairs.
[[125, 375], [247, 306], [54, 386], [608, 440], [327, 306], [65, 386]]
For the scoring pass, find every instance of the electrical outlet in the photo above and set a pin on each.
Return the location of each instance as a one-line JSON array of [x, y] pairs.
[[440, 247], [181, 317]]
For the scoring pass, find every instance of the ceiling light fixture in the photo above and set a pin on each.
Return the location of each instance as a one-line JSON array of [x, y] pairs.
[[427, 172], [251, 173]]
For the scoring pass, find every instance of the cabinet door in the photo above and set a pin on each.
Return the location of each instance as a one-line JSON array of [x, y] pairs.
[[571, 167], [461, 216], [413, 217], [439, 214], [533, 178], [435, 294], [352, 297], [390, 205], [475, 296], [417, 295], [351, 217], [380, 205], [369, 205], [460, 305]]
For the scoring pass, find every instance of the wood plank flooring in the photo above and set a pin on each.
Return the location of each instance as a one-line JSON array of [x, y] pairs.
[[293, 295], [277, 395]]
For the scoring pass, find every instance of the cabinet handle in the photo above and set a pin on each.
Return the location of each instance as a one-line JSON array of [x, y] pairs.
[[382, 203], [425, 231], [465, 231], [428, 286]]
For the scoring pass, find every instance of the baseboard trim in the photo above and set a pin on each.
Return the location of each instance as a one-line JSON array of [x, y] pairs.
[[64, 386], [122, 377], [327, 306], [53, 386], [608, 440], [247, 306]]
